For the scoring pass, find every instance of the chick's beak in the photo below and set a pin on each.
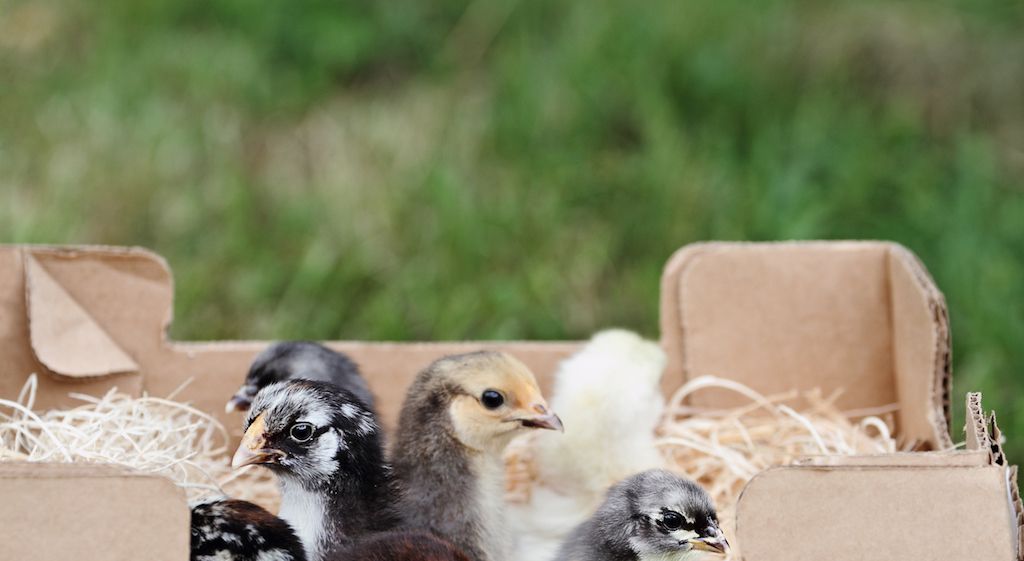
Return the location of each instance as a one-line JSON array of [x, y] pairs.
[[253, 448], [241, 401], [542, 418], [714, 544]]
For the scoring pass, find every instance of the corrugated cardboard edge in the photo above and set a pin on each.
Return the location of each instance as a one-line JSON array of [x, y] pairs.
[[942, 381], [976, 434], [673, 331]]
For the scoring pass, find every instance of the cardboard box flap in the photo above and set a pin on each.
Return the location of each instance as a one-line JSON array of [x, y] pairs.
[[105, 306], [863, 317], [65, 338], [90, 512], [921, 350], [904, 459], [847, 513], [896, 506]]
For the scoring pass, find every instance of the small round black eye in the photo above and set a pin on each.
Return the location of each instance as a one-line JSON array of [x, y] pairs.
[[301, 432], [672, 520], [492, 399]]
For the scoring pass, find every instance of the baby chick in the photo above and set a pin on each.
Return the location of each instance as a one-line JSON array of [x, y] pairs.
[[305, 360], [233, 530], [459, 415], [609, 396], [653, 515], [324, 445], [404, 546]]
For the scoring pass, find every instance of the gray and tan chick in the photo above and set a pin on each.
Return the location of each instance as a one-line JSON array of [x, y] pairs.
[[300, 360], [653, 515], [459, 415]]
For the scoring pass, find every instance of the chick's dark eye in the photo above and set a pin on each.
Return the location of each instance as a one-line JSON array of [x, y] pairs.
[[301, 432], [672, 520], [492, 399]]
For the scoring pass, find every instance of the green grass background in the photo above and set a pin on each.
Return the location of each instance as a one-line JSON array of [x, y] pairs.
[[491, 169]]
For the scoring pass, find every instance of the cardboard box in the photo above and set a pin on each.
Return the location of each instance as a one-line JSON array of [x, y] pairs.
[[864, 316]]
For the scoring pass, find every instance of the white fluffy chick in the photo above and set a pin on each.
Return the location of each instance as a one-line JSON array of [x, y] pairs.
[[609, 398]]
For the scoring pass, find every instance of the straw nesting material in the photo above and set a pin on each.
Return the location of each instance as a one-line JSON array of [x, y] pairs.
[[722, 449], [149, 434]]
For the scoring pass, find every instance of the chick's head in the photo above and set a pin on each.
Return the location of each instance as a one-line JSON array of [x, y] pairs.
[[309, 431], [665, 516], [492, 398]]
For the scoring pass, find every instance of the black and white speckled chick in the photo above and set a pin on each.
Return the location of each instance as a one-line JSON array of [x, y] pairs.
[[652, 516], [325, 447], [233, 530], [459, 415], [300, 360]]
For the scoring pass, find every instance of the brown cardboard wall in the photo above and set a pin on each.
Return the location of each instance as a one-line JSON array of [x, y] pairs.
[[805, 315], [87, 319], [52, 512], [921, 350], [939, 513], [19, 356]]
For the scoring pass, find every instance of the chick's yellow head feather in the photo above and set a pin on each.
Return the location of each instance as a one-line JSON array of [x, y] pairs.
[[495, 398]]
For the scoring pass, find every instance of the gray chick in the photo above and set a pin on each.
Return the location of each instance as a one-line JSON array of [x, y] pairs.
[[300, 360], [653, 515], [459, 415]]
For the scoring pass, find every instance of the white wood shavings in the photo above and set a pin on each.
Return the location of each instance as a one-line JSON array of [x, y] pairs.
[[149, 434], [723, 449]]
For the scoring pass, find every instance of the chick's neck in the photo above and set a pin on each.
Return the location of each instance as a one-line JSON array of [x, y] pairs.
[[330, 515]]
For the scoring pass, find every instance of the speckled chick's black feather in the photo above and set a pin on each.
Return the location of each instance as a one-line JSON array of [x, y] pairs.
[[325, 447], [654, 515], [403, 546], [233, 530], [300, 360], [459, 414]]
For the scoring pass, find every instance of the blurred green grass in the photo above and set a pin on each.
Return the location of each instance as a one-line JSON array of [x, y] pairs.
[[451, 169]]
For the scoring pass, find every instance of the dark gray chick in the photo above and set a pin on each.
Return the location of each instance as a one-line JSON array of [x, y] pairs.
[[653, 515], [300, 360]]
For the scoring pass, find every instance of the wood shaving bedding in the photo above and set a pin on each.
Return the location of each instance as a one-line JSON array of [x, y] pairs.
[[149, 434], [722, 449]]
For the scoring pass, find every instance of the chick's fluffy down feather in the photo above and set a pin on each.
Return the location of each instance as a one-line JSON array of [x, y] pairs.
[[610, 402]]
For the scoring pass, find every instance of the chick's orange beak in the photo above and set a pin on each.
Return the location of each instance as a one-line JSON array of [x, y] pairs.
[[253, 448], [717, 544], [542, 418]]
